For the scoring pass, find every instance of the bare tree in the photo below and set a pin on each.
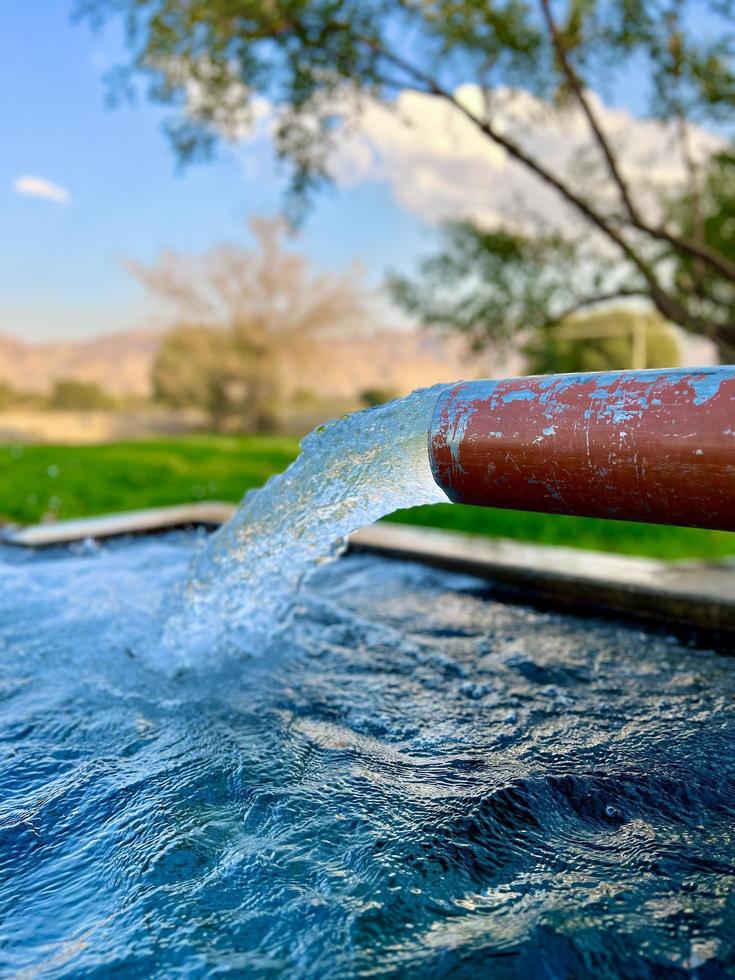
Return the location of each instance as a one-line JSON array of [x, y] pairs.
[[242, 319]]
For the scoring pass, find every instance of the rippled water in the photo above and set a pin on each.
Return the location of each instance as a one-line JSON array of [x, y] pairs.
[[419, 782]]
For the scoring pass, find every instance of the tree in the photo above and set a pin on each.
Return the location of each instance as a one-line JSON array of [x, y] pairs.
[[710, 217], [10, 397], [242, 319], [377, 396], [71, 394], [207, 368], [602, 341], [318, 62]]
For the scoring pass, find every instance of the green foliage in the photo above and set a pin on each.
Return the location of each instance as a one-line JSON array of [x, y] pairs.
[[489, 285], [304, 398], [377, 396], [10, 397], [319, 62], [243, 320], [304, 54], [710, 216], [79, 481], [595, 534], [76, 481], [216, 370], [69, 394], [7, 396], [593, 349]]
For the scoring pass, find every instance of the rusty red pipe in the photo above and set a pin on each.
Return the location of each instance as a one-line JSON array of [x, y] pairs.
[[653, 446]]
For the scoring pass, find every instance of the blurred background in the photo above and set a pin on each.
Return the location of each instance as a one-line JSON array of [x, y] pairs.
[[225, 223]]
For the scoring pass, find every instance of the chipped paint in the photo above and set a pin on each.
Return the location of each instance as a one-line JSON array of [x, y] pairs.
[[705, 385], [454, 421], [603, 444], [521, 395]]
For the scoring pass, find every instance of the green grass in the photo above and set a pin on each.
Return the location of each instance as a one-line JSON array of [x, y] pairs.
[[78, 481]]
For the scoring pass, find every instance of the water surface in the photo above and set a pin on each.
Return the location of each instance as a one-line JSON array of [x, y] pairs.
[[417, 781]]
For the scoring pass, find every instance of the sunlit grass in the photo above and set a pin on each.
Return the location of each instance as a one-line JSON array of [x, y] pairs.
[[77, 481]]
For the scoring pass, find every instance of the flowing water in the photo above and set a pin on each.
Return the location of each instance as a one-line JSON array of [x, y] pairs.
[[350, 472]]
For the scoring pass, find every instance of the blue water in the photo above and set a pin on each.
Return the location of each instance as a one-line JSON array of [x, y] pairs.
[[417, 781]]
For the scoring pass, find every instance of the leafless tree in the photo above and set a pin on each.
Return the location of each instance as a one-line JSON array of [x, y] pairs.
[[243, 320]]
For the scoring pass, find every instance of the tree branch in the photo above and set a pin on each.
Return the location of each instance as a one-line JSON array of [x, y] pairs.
[[578, 89], [697, 250], [667, 304], [584, 208], [430, 85], [582, 304]]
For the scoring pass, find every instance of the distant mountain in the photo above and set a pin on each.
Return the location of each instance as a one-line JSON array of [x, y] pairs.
[[119, 362], [398, 360]]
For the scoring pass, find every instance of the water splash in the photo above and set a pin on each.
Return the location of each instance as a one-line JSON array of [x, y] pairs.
[[350, 472]]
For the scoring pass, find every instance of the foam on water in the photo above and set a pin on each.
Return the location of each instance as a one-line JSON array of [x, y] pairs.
[[350, 473]]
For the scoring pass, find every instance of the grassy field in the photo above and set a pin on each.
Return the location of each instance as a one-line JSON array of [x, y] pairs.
[[77, 481]]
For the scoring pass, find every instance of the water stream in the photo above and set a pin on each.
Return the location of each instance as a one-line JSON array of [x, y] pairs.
[[350, 472]]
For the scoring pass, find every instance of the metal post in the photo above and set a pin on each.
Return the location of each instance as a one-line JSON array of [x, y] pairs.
[[639, 350]]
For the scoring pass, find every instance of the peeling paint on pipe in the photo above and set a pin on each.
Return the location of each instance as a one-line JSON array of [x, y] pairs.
[[653, 446]]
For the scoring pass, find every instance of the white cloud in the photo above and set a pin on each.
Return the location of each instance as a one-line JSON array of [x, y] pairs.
[[439, 165], [40, 187]]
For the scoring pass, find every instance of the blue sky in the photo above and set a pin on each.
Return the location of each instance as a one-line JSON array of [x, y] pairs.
[[62, 268], [61, 271]]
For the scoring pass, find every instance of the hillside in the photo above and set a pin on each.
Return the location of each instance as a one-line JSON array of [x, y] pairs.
[[121, 362]]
